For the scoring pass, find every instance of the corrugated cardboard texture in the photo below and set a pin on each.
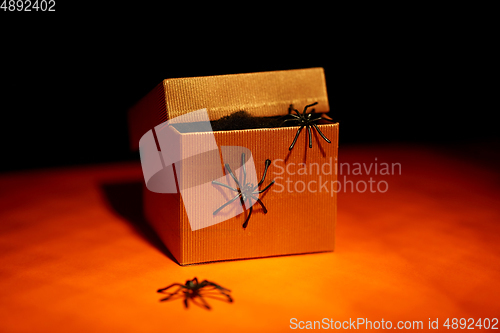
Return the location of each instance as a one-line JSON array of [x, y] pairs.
[[300, 221], [295, 223], [261, 94]]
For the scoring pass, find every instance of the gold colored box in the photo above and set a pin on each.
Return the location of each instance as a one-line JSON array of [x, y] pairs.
[[301, 210]]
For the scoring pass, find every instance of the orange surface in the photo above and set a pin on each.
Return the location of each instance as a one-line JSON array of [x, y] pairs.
[[77, 256]]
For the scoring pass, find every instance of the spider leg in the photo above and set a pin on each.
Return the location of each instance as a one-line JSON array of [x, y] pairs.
[[171, 294], [268, 163], [248, 217], [244, 168], [226, 186], [310, 136], [288, 115], [205, 304], [330, 120], [173, 284], [308, 106], [227, 203], [296, 136], [232, 175], [295, 118], [261, 204], [195, 279], [316, 119], [283, 123], [265, 188], [186, 301], [290, 109], [228, 297], [208, 283], [320, 133], [216, 296]]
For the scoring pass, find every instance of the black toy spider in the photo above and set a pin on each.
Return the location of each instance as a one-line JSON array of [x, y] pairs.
[[246, 191], [194, 289], [304, 119]]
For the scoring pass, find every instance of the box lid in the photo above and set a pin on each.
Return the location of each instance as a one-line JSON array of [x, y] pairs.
[[261, 94]]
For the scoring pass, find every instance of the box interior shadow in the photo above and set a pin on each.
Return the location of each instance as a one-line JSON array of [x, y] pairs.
[[240, 120]]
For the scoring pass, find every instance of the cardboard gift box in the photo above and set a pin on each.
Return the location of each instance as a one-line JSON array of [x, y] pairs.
[[191, 198]]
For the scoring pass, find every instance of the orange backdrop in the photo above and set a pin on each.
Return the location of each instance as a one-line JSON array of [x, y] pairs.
[[77, 255]]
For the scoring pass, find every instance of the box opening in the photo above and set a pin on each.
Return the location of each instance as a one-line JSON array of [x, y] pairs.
[[240, 120]]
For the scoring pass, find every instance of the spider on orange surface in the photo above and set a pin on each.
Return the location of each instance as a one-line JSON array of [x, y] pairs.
[[193, 290]]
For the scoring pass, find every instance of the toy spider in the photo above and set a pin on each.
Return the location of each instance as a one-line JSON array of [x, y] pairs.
[[194, 289], [304, 119], [246, 191]]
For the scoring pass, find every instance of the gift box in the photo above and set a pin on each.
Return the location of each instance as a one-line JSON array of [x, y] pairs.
[[222, 180]]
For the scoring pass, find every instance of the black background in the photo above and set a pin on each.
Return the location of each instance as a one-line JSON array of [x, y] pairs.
[[399, 75]]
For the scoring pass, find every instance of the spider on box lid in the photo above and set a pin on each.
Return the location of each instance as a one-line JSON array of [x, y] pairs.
[[304, 120]]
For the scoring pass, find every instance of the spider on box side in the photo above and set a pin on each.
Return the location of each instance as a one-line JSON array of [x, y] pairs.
[[194, 289], [246, 191], [304, 120]]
